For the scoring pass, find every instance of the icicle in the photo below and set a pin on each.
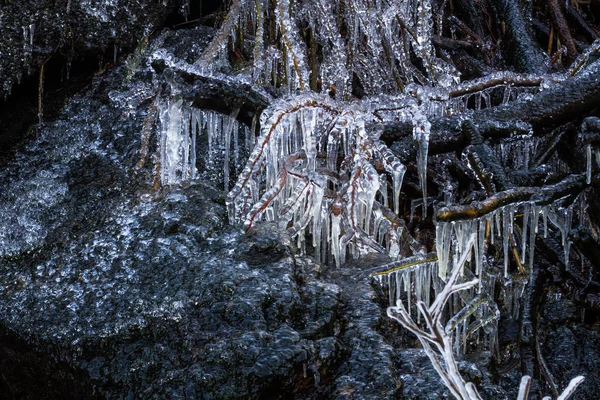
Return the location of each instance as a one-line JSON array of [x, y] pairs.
[[443, 240], [394, 243], [171, 142], [335, 238], [227, 132], [535, 215], [491, 218], [481, 250], [588, 174], [194, 133], [407, 290], [318, 193], [413, 207], [397, 176], [524, 232], [506, 96], [383, 189], [568, 222], [421, 130], [505, 236], [497, 215]]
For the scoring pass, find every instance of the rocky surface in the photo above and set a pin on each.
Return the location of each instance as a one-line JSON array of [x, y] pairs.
[[72, 40], [111, 287], [33, 31]]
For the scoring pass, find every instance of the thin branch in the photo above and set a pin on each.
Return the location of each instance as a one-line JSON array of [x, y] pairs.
[[570, 186]]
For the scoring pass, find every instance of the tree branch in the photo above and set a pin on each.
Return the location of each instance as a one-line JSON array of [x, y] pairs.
[[570, 186], [579, 96]]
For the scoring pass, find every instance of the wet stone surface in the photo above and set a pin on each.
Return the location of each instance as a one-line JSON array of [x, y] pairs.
[[112, 288], [33, 30]]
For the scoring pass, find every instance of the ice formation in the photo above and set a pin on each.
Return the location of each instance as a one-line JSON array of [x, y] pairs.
[[319, 168], [316, 160], [182, 126]]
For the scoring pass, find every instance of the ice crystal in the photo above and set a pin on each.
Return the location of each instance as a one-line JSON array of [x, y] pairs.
[[182, 126]]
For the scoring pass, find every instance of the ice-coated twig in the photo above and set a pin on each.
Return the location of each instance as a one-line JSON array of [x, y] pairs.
[[571, 388], [437, 342], [317, 163], [221, 39], [571, 185]]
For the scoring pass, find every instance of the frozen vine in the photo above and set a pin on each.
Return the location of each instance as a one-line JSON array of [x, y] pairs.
[[437, 341]]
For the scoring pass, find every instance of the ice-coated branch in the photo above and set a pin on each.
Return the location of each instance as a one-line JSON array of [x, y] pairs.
[[540, 113], [221, 39], [211, 91], [571, 388], [502, 78], [294, 46], [570, 186], [525, 54], [563, 28], [437, 343]]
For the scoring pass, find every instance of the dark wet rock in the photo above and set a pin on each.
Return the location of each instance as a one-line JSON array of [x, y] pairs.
[[31, 31], [574, 350], [368, 372], [110, 287], [50, 50], [559, 311]]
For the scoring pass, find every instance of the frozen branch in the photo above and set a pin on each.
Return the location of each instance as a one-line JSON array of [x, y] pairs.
[[570, 186], [579, 96]]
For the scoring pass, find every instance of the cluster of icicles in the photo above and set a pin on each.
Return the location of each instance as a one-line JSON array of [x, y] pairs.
[[373, 39], [474, 315], [316, 161], [312, 169], [180, 127]]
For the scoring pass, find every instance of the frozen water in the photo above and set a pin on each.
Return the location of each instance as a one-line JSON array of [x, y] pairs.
[[184, 129]]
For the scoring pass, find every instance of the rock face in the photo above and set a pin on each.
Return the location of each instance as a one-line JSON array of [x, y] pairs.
[[111, 288], [62, 44]]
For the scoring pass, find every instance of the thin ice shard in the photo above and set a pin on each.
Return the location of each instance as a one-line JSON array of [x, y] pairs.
[[505, 237], [588, 173], [443, 239], [421, 130], [173, 141]]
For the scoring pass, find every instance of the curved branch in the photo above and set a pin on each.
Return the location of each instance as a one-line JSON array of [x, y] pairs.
[[210, 92], [570, 186], [526, 55]]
